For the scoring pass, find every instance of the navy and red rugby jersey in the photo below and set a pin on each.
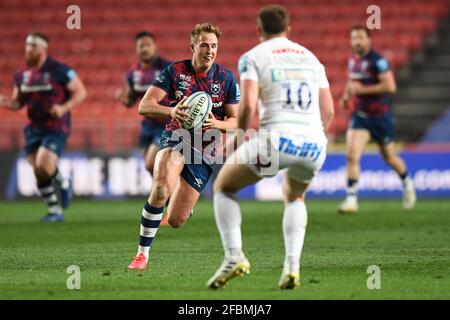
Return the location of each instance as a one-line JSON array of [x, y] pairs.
[[366, 69], [40, 89]]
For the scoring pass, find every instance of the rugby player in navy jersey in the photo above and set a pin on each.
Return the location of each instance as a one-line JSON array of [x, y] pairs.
[[49, 89], [371, 84], [138, 80], [173, 176]]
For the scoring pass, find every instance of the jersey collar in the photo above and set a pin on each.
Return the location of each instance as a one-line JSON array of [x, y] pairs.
[[202, 75], [364, 56]]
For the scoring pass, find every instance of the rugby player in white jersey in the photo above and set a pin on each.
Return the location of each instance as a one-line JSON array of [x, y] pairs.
[[288, 85]]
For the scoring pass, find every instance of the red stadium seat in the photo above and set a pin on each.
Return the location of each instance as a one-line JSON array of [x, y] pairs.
[[104, 49]]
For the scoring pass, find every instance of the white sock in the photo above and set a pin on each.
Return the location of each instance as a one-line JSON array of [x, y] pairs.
[[407, 182], [144, 250], [228, 221], [295, 219], [48, 192], [60, 180]]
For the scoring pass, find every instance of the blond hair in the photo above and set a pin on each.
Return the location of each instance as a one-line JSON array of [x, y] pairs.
[[204, 27]]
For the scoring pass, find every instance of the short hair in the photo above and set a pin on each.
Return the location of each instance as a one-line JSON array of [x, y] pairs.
[[204, 27], [39, 35], [273, 19], [143, 34], [360, 28]]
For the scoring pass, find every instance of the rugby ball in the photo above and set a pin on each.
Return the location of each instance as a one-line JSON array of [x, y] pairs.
[[200, 105]]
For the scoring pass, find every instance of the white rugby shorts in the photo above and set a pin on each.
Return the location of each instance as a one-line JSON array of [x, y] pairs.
[[268, 152]]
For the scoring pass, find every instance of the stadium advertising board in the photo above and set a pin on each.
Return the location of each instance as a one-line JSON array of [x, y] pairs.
[[104, 176]]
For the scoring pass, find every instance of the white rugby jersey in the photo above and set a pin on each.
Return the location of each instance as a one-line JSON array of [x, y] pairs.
[[289, 77]]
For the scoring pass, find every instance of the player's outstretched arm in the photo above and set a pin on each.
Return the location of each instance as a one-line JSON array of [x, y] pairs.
[[12, 103], [149, 106], [326, 107]]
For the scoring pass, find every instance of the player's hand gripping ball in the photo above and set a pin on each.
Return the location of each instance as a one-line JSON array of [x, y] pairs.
[[200, 104]]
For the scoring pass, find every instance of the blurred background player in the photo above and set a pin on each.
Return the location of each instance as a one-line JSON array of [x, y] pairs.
[[49, 89], [138, 80], [290, 86], [370, 85], [183, 182]]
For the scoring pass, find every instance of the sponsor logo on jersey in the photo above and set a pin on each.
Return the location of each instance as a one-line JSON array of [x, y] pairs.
[[184, 85], [288, 50], [27, 89], [283, 74], [40, 82], [185, 77], [161, 78], [178, 95], [53, 146], [198, 182], [184, 81]]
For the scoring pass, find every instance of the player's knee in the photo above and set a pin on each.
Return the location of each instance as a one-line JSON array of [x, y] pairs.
[[217, 187], [176, 222], [352, 157], [41, 171], [220, 186], [160, 193]]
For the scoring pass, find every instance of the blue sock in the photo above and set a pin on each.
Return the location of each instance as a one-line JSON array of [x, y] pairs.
[[150, 220]]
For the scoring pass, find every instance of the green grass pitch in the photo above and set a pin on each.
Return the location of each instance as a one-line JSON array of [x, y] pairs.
[[412, 249]]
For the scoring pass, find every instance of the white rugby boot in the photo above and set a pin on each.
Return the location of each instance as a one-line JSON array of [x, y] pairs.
[[231, 267], [290, 277], [349, 205], [409, 194]]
